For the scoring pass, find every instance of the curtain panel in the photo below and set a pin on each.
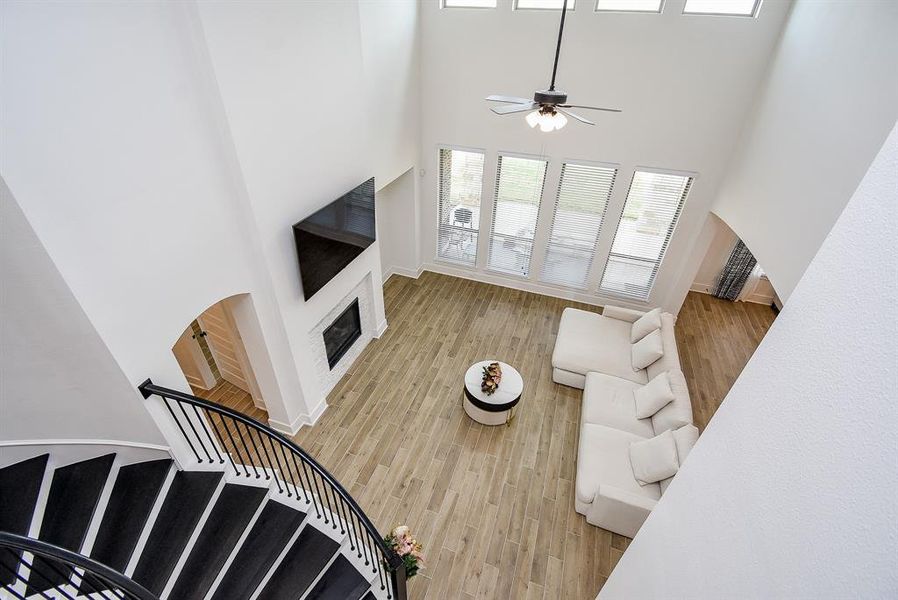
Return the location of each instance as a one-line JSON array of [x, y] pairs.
[[735, 272]]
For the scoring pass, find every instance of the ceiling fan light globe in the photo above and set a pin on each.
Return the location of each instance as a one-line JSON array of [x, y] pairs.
[[559, 120], [533, 119]]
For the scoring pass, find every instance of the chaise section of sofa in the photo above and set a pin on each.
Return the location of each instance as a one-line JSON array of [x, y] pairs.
[[588, 341]]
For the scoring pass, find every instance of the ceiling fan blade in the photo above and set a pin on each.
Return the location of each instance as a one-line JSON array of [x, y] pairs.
[[513, 108], [617, 110], [512, 99], [578, 117]]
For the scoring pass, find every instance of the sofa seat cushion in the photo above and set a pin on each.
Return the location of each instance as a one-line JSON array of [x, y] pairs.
[[590, 342], [608, 400], [604, 459]]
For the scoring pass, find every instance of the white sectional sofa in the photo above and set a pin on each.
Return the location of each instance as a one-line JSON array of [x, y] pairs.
[[593, 352]]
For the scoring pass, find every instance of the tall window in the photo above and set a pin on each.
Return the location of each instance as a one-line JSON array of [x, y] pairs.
[[653, 206], [519, 188], [469, 4], [583, 195], [461, 179], [542, 4], [652, 6], [733, 8]]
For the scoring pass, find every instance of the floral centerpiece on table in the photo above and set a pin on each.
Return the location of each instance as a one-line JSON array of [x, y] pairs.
[[492, 375], [408, 549]]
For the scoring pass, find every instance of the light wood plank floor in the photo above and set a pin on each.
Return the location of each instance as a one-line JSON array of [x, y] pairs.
[[492, 505], [716, 338]]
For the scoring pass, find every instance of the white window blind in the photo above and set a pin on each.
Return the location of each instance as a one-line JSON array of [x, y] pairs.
[[629, 5], [583, 195], [469, 4], [653, 206], [733, 8], [542, 4], [460, 184], [519, 189]]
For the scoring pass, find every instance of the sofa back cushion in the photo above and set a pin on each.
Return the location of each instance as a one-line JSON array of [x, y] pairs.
[[646, 351], [677, 412], [653, 396], [645, 325], [685, 438], [671, 358]]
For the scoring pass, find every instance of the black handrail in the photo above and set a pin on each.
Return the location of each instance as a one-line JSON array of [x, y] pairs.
[[56, 569], [324, 492]]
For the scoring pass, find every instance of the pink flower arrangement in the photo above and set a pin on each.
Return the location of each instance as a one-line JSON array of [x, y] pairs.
[[408, 548]]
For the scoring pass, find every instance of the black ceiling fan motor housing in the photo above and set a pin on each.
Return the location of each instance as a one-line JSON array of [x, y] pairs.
[[550, 97]]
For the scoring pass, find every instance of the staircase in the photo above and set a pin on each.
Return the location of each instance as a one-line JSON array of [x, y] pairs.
[[254, 518]]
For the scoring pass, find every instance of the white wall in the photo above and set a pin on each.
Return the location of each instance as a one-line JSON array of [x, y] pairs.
[[790, 491], [161, 151], [685, 84], [716, 257], [390, 58], [57, 378], [397, 218], [291, 78], [829, 102], [107, 149]]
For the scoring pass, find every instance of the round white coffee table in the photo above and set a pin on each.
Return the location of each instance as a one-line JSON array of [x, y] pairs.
[[497, 408]]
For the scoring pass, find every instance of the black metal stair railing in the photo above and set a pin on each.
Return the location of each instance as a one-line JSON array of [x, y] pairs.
[[49, 564], [217, 434]]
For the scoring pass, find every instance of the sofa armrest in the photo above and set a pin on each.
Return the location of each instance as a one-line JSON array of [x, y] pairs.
[[618, 510], [622, 314]]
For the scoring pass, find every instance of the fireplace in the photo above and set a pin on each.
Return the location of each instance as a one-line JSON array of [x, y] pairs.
[[340, 335]]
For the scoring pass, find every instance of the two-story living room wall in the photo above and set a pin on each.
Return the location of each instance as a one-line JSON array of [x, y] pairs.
[[117, 145], [316, 100], [685, 84], [827, 104]]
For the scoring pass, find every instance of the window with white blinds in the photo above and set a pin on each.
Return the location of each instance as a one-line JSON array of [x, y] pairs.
[[542, 4], [651, 6], [460, 184], [519, 189], [583, 194], [653, 205], [469, 4], [733, 8]]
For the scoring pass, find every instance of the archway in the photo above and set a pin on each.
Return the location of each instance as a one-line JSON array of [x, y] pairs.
[[217, 362]]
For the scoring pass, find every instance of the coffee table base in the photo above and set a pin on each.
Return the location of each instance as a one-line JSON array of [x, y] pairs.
[[484, 417]]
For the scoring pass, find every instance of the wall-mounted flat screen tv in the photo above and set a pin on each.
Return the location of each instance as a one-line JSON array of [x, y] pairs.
[[333, 237]]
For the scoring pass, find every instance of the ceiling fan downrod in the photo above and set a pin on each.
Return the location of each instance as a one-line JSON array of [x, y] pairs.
[[558, 46]]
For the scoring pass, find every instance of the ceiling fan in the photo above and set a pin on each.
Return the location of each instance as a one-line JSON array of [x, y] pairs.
[[548, 106]]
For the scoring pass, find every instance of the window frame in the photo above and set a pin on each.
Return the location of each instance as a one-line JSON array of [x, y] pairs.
[[492, 212], [671, 232], [618, 11], [437, 257], [752, 15]]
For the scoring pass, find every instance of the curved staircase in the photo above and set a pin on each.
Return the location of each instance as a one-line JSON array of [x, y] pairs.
[[268, 523]]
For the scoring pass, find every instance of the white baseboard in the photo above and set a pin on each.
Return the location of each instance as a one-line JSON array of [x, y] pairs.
[[702, 288], [403, 271], [381, 328], [316, 412], [300, 421], [533, 287]]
